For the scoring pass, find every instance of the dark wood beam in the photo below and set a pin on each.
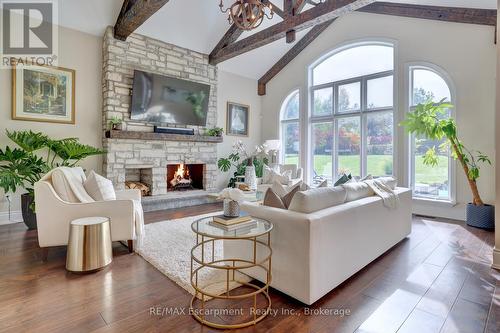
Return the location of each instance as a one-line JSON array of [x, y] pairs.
[[291, 54], [322, 13], [231, 35], [447, 14], [276, 9], [288, 6], [133, 14], [299, 5]]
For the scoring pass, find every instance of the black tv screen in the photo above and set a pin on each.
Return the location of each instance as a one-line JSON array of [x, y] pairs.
[[160, 99]]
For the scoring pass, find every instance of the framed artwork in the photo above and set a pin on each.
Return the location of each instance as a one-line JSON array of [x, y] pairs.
[[43, 93], [237, 119]]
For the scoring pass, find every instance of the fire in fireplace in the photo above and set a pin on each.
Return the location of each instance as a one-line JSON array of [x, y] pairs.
[[182, 177]]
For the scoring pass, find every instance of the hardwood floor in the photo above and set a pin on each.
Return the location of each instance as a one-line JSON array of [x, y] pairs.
[[437, 280]]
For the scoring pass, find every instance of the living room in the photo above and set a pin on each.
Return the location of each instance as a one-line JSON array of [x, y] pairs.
[[250, 165]]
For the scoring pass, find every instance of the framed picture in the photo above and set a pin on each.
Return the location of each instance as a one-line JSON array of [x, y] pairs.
[[43, 93], [237, 119]]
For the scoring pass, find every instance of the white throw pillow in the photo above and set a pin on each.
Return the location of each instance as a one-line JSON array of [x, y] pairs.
[[68, 184], [99, 188], [266, 174], [357, 190], [283, 178], [389, 181], [317, 199]]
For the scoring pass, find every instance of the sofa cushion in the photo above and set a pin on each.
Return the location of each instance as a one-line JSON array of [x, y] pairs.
[[317, 199], [289, 167], [271, 199], [68, 184], [357, 190], [99, 188], [389, 181]]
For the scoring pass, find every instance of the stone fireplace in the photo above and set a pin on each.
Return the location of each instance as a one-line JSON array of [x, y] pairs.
[[136, 153]]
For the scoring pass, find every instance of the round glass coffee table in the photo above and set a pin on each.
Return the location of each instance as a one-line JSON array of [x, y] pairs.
[[257, 237]]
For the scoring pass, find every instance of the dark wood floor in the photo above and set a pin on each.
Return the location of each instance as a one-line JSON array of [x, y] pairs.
[[437, 280]]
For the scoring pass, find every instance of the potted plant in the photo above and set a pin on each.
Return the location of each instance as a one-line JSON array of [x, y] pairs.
[[23, 166], [431, 121], [240, 160], [115, 123], [216, 131]]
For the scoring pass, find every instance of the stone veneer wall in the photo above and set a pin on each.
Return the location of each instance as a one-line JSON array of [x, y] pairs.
[[120, 58]]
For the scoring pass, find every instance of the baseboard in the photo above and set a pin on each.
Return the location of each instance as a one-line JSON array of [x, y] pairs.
[[15, 217]]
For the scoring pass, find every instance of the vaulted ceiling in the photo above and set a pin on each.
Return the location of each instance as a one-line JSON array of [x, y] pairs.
[[199, 25]]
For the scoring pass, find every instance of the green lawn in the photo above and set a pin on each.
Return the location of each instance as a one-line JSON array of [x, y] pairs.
[[377, 165]]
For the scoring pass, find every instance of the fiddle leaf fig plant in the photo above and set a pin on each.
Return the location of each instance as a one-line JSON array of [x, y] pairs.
[[431, 120]]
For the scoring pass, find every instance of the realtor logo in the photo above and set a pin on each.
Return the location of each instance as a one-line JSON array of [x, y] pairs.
[[29, 32]]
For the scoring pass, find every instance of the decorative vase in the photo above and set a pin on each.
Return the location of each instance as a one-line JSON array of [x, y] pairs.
[[29, 217], [231, 208], [251, 178], [481, 216]]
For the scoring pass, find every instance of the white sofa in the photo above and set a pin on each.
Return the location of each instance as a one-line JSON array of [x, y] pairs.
[[315, 251], [54, 214], [296, 176]]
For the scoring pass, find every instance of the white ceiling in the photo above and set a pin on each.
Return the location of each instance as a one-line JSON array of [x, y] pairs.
[[199, 25]]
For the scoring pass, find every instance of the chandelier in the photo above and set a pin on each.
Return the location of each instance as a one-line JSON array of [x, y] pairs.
[[248, 14]]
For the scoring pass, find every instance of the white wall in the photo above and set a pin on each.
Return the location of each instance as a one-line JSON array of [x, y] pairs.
[[81, 52], [238, 89], [466, 52]]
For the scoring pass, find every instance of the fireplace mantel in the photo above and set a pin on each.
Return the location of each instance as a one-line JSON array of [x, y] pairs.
[[130, 135]]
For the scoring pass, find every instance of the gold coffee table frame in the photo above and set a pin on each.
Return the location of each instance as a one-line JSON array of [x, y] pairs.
[[231, 266]]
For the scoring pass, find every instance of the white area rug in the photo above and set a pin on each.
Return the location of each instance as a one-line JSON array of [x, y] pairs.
[[167, 246]]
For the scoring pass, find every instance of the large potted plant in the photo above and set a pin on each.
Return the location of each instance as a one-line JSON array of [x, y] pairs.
[[431, 120], [36, 154], [240, 160]]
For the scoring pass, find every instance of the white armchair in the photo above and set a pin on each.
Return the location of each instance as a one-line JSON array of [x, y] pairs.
[[296, 177], [54, 214]]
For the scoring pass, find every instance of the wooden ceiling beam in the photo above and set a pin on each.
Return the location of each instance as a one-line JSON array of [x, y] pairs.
[[291, 54], [322, 13], [133, 14], [439, 13], [231, 35]]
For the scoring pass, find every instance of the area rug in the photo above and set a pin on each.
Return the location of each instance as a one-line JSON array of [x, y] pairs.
[[167, 246]]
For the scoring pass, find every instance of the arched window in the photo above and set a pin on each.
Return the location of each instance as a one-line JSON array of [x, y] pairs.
[[290, 129], [351, 112], [435, 183]]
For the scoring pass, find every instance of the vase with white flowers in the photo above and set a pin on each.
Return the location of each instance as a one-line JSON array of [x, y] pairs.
[[232, 197], [240, 159]]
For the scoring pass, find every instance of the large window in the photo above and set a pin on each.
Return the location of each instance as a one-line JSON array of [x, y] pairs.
[[428, 84], [351, 115], [290, 129]]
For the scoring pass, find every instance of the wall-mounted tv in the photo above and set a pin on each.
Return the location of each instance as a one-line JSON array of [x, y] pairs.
[[160, 99]]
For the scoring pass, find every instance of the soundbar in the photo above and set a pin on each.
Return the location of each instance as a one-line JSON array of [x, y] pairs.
[[174, 130]]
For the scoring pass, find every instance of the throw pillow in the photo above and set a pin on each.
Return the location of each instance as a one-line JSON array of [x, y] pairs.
[[283, 178], [357, 190], [271, 199], [324, 183], [266, 174], [287, 199], [99, 188], [304, 187], [343, 179], [368, 177]]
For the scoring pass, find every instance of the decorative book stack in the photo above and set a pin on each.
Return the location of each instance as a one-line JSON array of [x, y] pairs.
[[233, 223]]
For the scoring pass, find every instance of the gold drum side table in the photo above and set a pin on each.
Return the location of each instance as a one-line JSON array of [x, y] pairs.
[[259, 238], [89, 245]]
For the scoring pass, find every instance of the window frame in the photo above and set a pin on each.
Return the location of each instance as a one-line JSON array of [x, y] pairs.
[[283, 122], [362, 113], [410, 68]]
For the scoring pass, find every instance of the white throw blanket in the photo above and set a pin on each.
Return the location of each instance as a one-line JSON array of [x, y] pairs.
[[389, 197], [76, 184]]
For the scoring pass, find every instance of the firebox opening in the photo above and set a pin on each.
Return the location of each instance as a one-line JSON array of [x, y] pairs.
[[139, 178], [184, 177]]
